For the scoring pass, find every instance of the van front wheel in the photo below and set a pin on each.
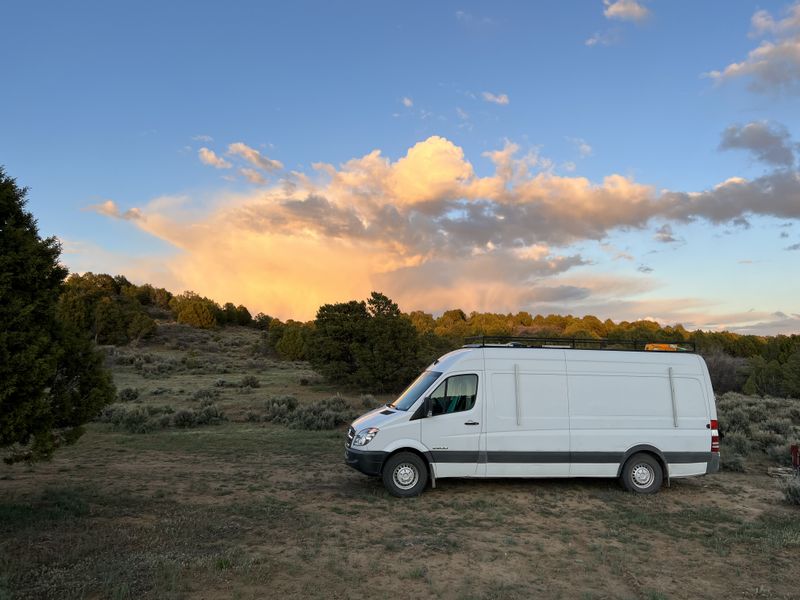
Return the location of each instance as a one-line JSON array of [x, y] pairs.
[[642, 474], [405, 474]]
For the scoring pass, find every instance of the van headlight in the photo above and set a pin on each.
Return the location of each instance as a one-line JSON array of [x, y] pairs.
[[365, 436]]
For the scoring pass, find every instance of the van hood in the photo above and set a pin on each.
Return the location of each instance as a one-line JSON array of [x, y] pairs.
[[380, 417]]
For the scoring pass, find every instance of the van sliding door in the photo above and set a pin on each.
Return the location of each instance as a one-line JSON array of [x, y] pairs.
[[528, 416]]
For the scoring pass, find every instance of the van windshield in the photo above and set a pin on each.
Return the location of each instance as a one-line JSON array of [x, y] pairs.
[[414, 391]]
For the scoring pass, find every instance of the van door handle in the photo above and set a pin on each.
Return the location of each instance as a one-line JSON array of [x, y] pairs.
[[471, 423]]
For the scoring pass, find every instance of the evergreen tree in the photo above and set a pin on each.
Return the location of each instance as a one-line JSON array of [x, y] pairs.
[[339, 330], [51, 377], [387, 359], [791, 376]]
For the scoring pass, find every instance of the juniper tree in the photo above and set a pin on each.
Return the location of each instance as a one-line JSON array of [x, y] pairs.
[[51, 378]]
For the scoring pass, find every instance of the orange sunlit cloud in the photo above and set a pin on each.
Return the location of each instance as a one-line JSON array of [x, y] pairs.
[[425, 229]]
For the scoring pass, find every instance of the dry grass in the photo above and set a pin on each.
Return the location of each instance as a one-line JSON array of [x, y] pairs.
[[257, 510]]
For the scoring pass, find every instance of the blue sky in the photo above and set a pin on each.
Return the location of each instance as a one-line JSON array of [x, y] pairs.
[[112, 103]]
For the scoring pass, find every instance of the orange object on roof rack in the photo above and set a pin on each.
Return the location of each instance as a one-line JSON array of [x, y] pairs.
[[662, 347]]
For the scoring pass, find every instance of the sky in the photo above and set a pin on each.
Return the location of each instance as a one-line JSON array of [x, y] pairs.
[[622, 158]]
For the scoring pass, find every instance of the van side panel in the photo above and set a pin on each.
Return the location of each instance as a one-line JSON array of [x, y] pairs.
[[619, 402], [527, 433]]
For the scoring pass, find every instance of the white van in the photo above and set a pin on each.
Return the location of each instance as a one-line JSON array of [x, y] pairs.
[[510, 410]]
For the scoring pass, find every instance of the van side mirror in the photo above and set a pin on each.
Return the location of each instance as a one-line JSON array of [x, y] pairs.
[[427, 409]]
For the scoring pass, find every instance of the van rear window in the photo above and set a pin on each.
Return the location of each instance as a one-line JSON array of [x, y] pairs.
[[415, 390]]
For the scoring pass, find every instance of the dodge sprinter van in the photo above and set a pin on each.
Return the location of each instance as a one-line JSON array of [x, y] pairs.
[[523, 407]]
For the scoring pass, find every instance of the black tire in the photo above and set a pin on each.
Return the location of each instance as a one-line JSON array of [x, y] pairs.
[[405, 474], [642, 474]]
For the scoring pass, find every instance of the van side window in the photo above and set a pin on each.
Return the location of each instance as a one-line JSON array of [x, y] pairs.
[[455, 394]]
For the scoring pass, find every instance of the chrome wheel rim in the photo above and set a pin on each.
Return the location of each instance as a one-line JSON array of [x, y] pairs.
[[642, 475], [405, 476]]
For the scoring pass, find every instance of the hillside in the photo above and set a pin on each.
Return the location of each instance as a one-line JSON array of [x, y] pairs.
[[211, 500]]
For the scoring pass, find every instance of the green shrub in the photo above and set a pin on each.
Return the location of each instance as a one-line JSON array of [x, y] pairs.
[[205, 394], [128, 395], [780, 454], [733, 462], [249, 381], [779, 426], [136, 420], [791, 490], [326, 414], [183, 418], [758, 413], [144, 419], [735, 420], [209, 414], [736, 443], [764, 439], [279, 408]]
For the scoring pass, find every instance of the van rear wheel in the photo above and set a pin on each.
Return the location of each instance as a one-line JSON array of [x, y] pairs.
[[405, 474], [642, 474]]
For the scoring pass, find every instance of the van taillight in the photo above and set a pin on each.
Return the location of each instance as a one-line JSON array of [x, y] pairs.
[[714, 435]]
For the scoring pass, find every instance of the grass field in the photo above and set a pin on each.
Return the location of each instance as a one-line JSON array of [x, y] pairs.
[[250, 509]]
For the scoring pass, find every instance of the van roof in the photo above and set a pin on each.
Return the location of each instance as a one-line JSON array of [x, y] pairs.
[[500, 341]]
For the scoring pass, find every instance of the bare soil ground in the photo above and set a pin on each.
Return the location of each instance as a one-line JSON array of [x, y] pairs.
[[254, 510]]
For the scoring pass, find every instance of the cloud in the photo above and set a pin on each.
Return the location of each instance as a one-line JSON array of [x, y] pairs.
[[429, 231], [664, 234], [584, 149], [767, 142], [604, 38], [209, 157], [466, 18], [763, 22], [501, 99], [202, 138], [254, 157], [776, 323], [407, 102], [644, 269], [625, 10], [109, 208], [793, 247], [776, 194], [773, 66], [462, 114], [252, 176]]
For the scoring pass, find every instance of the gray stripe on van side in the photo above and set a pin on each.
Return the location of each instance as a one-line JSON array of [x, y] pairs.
[[454, 456], [502, 456], [687, 457]]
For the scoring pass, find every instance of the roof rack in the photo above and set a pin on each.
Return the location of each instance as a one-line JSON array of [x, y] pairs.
[[500, 341]]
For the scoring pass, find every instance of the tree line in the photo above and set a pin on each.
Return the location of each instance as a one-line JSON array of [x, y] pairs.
[[752, 364]]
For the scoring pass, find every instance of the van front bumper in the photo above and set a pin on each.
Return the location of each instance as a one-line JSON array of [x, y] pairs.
[[369, 463]]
